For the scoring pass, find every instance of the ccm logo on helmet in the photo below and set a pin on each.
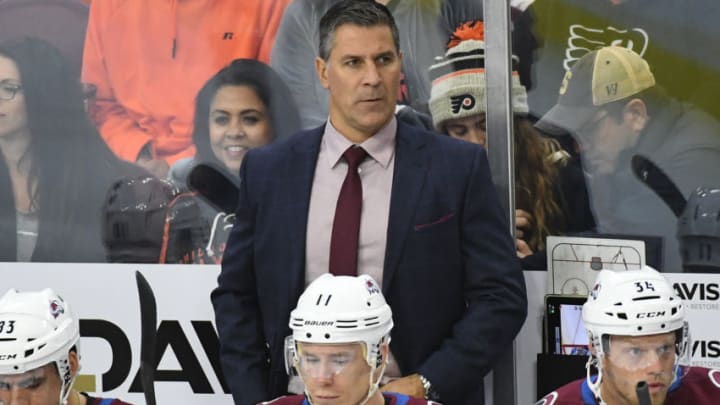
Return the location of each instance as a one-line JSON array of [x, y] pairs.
[[8, 356], [644, 315]]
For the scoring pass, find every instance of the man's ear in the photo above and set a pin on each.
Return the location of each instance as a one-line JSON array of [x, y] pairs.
[[321, 66], [635, 115], [592, 349], [74, 362]]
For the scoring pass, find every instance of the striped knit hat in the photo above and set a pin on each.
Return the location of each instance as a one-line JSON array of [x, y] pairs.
[[458, 80]]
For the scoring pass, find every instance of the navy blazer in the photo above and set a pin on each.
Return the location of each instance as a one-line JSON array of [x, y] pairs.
[[451, 274]]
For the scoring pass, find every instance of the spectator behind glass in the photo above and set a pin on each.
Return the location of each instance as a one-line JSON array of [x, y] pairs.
[[243, 106], [149, 59], [548, 200], [610, 103], [678, 38], [58, 165]]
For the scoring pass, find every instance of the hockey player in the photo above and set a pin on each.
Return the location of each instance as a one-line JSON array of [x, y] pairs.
[[637, 332], [339, 345], [39, 351]]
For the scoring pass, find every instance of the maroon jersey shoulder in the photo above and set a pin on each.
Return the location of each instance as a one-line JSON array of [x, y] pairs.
[[700, 386], [286, 400], [568, 394]]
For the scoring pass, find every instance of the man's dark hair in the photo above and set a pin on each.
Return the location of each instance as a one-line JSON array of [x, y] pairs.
[[363, 13]]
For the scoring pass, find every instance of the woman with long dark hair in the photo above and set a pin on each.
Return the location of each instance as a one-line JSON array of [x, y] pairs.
[[59, 168], [243, 106]]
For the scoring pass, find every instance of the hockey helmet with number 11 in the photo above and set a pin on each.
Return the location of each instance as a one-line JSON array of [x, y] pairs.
[[339, 310]]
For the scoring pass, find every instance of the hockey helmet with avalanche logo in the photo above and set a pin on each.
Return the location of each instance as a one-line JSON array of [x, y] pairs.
[[343, 309], [38, 328]]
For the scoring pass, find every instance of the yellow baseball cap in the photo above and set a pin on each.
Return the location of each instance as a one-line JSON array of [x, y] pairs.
[[601, 76]]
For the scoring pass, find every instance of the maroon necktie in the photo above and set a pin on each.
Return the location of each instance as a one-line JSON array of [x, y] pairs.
[[346, 226]]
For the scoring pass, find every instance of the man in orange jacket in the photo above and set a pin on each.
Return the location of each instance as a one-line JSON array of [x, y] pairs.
[[149, 59]]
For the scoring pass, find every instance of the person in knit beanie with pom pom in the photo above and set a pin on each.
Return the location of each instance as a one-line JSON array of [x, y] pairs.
[[550, 193]]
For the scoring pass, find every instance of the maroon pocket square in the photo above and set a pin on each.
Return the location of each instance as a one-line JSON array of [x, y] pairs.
[[438, 221]]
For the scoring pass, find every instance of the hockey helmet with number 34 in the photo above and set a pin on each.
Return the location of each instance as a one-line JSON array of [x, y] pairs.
[[632, 303]]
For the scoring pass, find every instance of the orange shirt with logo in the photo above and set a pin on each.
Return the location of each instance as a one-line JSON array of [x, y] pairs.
[[148, 59]]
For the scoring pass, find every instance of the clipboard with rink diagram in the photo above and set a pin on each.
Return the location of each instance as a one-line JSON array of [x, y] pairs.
[[573, 262]]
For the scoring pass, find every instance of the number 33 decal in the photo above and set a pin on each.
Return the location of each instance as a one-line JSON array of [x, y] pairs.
[[7, 327]]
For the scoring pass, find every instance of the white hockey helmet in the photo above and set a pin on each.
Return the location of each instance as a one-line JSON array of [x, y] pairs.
[[343, 309], [632, 303], [38, 328]]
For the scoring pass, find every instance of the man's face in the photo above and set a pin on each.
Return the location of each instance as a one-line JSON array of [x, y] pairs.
[[362, 74], [602, 140], [40, 386], [334, 374], [632, 359]]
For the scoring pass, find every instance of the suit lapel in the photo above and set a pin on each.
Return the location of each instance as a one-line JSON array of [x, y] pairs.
[[300, 172], [408, 180]]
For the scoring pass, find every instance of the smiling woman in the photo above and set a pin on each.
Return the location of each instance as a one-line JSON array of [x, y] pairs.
[[243, 106]]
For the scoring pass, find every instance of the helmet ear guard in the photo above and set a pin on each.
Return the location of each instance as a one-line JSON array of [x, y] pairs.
[[291, 356]]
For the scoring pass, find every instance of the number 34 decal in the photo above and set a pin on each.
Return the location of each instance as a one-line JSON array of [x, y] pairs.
[[644, 286]]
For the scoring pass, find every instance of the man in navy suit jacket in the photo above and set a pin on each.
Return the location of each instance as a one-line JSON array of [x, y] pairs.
[[447, 261]]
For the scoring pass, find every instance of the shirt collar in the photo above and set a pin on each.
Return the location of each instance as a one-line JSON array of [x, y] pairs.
[[380, 147]]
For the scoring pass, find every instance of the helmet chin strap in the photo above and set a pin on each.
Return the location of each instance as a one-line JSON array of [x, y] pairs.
[[65, 388], [374, 384], [594, 386], [65, 391]]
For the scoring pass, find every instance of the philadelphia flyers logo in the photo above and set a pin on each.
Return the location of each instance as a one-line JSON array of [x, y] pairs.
[[464, 101]]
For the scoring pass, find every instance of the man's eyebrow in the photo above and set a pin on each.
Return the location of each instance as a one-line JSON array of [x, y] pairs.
[[373, 56], [386, 53]]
